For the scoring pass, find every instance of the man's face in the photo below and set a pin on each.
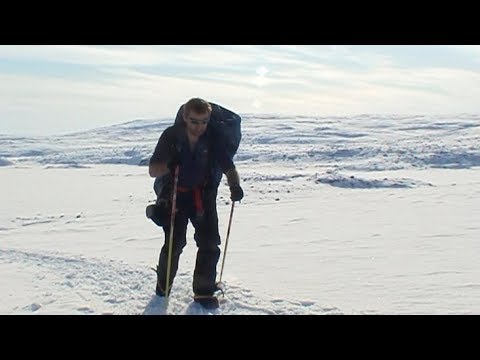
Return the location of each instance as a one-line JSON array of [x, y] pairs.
[[197, 123]]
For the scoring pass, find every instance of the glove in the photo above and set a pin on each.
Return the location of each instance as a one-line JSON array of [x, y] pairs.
[[236, 193], [159, 213]]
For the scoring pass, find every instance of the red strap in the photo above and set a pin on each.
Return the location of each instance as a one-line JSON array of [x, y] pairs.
[[197, 197]]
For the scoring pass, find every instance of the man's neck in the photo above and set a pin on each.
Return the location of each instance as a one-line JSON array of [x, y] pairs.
[[192, 139]]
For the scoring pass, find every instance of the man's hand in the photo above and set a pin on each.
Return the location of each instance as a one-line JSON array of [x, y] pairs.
[[236, 193], [158, 169]]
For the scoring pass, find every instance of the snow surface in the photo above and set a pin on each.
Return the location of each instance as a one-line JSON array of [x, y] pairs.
[[342, 215]]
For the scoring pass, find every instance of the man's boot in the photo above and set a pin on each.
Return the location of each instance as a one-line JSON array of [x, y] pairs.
[[207, 301], [159, 289]]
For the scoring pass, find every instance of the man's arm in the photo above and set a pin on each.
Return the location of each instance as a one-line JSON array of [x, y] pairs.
[[158, 165], [233, 178], [228, 168], [158, 169]]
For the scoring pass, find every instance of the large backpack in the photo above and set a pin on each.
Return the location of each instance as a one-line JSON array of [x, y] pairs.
[[226, 123]]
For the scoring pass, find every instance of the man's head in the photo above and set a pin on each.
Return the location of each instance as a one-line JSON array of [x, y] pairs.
[[196, 115]]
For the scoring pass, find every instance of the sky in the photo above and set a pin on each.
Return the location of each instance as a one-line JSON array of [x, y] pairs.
[[368, 214], [48, 89]]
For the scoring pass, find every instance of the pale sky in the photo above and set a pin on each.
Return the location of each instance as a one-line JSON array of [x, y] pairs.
[[63, 88]]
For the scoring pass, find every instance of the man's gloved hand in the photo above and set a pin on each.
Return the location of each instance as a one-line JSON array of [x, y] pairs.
[[159, 212], [236, 193]]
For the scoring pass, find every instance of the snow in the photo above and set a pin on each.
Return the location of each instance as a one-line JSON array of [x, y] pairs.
[[369, 214]]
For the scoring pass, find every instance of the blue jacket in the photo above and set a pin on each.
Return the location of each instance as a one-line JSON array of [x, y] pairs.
[[197, 167]]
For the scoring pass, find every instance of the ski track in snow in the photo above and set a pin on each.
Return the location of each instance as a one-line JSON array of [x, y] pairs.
[[112, 287]]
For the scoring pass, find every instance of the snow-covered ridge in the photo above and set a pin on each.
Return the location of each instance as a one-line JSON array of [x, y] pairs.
[[361, 143]]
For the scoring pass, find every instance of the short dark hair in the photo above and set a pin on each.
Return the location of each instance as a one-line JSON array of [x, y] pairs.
[[197, 105]]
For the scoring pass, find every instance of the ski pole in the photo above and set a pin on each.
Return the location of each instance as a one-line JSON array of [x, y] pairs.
[[226, 240], [170, 240]]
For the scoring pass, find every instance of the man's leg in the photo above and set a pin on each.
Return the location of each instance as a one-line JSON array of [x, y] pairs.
[[179, 242], [207, 239]]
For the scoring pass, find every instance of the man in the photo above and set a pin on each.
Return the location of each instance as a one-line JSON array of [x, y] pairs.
[[198, 150]]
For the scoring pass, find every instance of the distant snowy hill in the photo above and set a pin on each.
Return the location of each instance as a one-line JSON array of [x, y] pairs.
[[364, 142]]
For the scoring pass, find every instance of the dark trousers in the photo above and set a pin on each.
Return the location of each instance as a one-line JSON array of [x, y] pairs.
[[206, 237]]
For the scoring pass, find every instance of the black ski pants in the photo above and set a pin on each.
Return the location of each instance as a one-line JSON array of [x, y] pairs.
[[206, 236]]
